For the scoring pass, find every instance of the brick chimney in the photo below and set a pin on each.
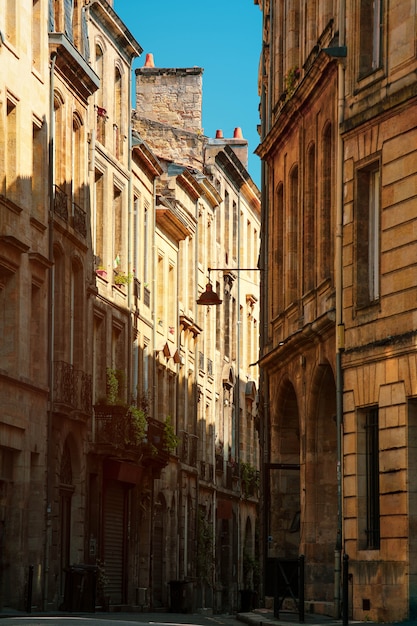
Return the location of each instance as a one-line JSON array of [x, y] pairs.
[[171, 96], [238, 144]]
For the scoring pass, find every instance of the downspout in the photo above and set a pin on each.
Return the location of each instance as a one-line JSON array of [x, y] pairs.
[[154, 402], [130, 247], [340, 339], [240, 560], [50, 347]]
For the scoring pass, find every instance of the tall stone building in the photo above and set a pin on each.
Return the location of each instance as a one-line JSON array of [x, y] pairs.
[[338, 103], [119, 395], [207, 192]]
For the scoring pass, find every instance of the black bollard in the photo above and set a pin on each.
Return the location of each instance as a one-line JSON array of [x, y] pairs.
[[301, 588], [345, 589], [29, 593]]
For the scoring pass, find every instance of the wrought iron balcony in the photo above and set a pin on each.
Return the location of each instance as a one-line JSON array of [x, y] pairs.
[[79, 219], [72, 390], [60, 202], [188, 452], [116, 436]]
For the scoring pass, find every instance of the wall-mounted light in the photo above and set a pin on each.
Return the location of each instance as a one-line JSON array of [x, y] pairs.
[[210, 297]]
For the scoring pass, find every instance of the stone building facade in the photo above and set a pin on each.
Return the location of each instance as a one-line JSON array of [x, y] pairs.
[[207, 192], [338, 102], [114, 383]]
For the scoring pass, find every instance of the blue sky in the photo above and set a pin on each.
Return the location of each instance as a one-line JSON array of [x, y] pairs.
[[221, 36]]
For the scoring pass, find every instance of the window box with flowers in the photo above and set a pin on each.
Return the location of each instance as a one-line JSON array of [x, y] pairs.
[[101, 271], [122, 279]]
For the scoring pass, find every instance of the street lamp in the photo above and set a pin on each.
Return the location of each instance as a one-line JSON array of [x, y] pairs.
[[210, 297]]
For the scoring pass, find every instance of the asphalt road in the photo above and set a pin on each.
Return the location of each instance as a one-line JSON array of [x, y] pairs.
[[121, 619]]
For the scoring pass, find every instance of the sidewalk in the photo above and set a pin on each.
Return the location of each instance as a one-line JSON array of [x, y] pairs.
[[265, 617]]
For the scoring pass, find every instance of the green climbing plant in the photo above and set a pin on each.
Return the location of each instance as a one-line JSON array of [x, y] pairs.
[[171, 440]]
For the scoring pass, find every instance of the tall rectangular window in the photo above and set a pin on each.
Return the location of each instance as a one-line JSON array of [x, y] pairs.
[[11, 21], [368, 235], [36, 34], [38, 170], [118, 261], [370, 36], [11, 150], [368, 479], [372, 479]]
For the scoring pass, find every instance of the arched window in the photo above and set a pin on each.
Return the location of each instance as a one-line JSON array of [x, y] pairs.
[[326, 203], [292, 237], [309, 242], [118, 113], [100, 102], [278, 218], [77, 161]]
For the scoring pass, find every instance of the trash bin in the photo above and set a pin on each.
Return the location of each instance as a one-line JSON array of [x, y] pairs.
[[180, 596], [80, 588]]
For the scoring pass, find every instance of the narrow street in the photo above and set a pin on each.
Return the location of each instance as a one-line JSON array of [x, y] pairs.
[[101, 619]]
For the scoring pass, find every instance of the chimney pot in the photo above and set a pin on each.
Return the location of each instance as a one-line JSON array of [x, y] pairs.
[[219, 134], [238, 133], [149, 62]]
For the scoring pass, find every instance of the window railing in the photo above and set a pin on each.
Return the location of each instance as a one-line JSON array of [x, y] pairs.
[[72, 387], [60, 202], [79, 219]]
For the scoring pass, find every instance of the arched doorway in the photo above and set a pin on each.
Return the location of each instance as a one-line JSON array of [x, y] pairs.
[[321, 488]]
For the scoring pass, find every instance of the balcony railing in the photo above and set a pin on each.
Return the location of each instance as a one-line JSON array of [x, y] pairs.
[[116, 436], [79, 216], [206, 471], [72, 388], [188, 452], [79, 219], [60, 202]]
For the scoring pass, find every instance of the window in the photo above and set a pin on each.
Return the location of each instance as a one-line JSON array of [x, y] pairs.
[[11, 21], [36, 34], [101, 110], [370, 36], [326, 203], [11, 150], [292, 238], [309, 247], [99, 215], [368, 475], [118, 114], [277, 286], [38, 169], [118, 231], [77, 161], [367, 235]]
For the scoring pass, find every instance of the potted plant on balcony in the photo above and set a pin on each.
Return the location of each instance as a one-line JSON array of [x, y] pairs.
[[139, 424], [120, 278], [101, 271], [171, 440]]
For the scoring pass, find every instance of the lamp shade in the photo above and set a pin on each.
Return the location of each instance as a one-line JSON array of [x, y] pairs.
[[209, 297]]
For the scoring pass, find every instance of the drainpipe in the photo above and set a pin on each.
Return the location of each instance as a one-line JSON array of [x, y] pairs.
[[132, 354], [237, 406], [340, 341], [50, 347], [154, 399]]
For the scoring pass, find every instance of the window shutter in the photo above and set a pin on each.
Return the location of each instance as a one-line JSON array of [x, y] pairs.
[[51, 20], [84, 32], [68, 10]]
